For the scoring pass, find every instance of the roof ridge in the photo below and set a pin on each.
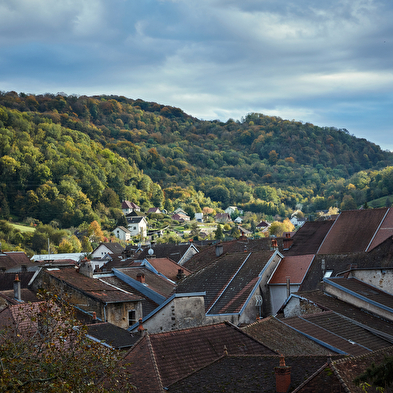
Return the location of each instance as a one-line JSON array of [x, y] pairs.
[[154, 361]]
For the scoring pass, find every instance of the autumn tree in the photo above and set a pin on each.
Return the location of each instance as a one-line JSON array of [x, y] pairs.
[[45, 349]]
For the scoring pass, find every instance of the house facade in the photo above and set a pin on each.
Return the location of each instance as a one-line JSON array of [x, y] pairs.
[[122, 233], [137, 226]]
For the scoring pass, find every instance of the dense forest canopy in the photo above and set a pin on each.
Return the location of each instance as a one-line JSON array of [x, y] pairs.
[[72, 159]]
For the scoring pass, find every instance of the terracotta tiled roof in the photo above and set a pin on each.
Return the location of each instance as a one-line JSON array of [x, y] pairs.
[[384, 231], [226, 282], [283, 339], [95, 288], [338, 332], [294, 267], [247, 374], [168, 268], [167, 357], [13, 259], [352, 231]]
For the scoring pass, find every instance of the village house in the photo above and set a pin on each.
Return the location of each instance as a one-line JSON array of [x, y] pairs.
[[122, 233], [137, 226], [92, 295], [104, 249], [129, 207]]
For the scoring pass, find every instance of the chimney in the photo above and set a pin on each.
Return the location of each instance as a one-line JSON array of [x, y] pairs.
[[274, 244], [86, 269], [141, 278], [283, 376], [17, 289], [180, 274], [219, 249], [287, 242], [141, 329], [94, 317]]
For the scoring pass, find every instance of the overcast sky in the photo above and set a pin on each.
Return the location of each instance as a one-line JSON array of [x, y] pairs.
[[324, 62]]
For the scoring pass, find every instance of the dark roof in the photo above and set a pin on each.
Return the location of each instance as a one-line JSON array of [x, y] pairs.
[[309, 237], [207, 255], [352, 231], [168, 268], [360, 288], [113, 335], [326, 302], [338, 376], [337, 332], [93, 287], [171, 251], [134, 219], [163, 358], [26, 296], [129, 205], [7, 280], [283, 339], [227, 281], [247, 374]]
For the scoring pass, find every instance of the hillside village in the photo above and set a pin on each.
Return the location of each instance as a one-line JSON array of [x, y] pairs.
[[308, 311]]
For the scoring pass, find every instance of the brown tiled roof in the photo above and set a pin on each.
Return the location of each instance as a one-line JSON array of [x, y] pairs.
[[93, 287], [242, 374], [148, 305], [338, 332], [115, 248], [384, 231], [283, 339], [167, 267], [15, 258], [352, 231], [26, 296], [309, 237], [347, 310], [294, 267], [153, 281], [173, 355], [226, 285]]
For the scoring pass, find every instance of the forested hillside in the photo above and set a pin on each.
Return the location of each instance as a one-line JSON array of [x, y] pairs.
[[72, 159]]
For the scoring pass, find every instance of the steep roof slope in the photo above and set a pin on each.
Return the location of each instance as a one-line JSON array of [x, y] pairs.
[[173, 355], [352, 231]]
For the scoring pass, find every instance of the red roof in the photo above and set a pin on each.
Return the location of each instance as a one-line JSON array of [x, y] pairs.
[[168, 268], [294, 267]]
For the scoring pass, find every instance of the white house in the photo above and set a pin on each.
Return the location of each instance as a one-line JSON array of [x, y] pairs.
[[129, 207], [137, 226], [122, 233], [199, 217], [106, 248]]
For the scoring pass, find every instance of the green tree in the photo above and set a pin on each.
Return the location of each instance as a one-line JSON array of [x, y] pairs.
[[380, 376], [218, 233], [65, 247]]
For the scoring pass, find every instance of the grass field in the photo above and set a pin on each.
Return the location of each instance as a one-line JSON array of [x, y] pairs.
[[23, 228]]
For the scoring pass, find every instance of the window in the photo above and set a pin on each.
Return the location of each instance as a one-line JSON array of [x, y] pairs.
[[328, 273], [131, 317]]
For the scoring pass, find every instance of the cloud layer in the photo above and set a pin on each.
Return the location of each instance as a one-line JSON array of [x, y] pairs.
[[328, 63]]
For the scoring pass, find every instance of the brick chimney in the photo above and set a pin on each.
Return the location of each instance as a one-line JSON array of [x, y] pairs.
[[94, 317], [283, 376], [287, 242], [141, 329], [274, 244], [17, 289], [141, 278]]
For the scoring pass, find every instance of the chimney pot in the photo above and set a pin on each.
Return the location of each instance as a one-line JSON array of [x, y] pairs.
[[141, 278], [17, 288], [283, 376], [141, 329]]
